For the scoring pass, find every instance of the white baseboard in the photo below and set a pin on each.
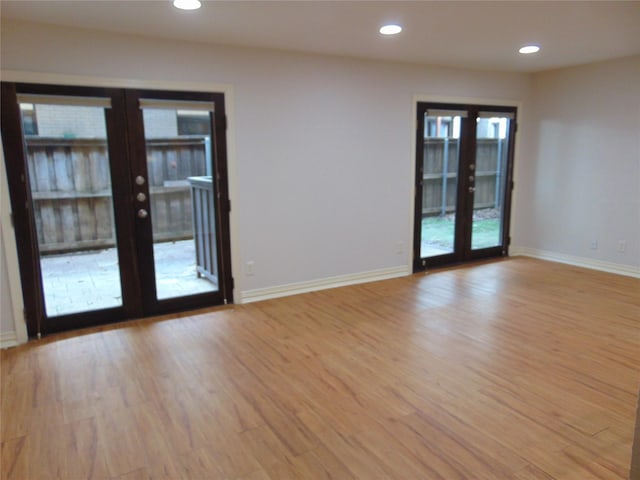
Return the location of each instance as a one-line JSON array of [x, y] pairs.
[[322, 284], [8, 339], [620, 269]]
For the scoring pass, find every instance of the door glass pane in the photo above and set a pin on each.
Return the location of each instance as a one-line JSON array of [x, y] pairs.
[[440, 184], [181, 191], [492, 146], [68, 164]]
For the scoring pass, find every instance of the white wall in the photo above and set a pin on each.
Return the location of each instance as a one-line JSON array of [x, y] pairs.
[[7, 324], [322, 156], [582, 179], [323, 145], [12, 327], [7, 321]]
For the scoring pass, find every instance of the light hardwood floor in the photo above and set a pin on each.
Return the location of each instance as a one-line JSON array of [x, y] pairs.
[[515, 369]]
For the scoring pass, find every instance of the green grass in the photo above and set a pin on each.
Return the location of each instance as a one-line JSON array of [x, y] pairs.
[[439, 232], [485, 233]]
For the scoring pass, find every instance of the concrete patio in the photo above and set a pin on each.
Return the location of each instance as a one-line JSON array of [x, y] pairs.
[[91, 281]]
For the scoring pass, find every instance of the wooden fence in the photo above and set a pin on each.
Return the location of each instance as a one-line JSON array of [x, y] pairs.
[[71, 190], [440, 174]]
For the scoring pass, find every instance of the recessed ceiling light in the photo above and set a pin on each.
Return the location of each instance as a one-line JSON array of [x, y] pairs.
[[529, 49], [187, 4], [390, 29]]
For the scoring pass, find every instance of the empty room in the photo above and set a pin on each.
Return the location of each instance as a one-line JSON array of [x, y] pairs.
[[320, 239]]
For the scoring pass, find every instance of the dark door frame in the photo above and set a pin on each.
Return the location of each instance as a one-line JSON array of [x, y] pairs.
[[222, 205], [128, 235], [464, 202]]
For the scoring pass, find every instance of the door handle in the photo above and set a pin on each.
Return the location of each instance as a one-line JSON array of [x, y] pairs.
[[142, 213], [472, 189]]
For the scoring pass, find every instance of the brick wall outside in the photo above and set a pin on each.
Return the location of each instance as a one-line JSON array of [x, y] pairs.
[[89, 122]]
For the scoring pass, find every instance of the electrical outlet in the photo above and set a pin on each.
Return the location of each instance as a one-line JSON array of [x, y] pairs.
[[399, 248], [622, 245], [249, 268], [594, 244]]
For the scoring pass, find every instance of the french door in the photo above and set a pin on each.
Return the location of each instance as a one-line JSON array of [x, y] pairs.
[[120, 202], [464, 161]]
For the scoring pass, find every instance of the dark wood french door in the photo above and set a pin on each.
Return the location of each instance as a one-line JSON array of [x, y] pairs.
[[464, 163], [120, 202]]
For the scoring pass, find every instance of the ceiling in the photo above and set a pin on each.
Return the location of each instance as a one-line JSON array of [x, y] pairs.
[[474, 34]]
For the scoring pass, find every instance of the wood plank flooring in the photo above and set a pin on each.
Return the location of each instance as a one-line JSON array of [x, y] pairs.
[[516, 369]]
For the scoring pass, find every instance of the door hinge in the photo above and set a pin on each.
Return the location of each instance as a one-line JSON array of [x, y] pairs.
[[515, 127], [225, 124], [513, 184], [232, 283], [13, 221], [508, 241]]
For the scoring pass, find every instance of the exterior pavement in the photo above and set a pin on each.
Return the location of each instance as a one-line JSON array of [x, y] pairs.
[[91, 281]]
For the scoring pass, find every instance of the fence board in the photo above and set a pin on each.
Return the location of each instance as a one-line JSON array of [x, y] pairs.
[[490, 161], [159, 213], [103, 219], [61, 180], [487, 154], [184, 165], [170, 166], [71, 189], [86, 222], [174, 209], [96, 178], [49, 223], [79, 167], [41, 170], [67, 218]]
